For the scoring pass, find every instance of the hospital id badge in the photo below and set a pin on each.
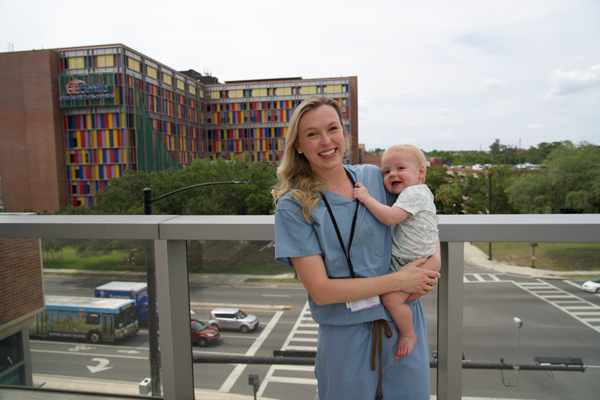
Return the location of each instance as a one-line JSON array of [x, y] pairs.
[[366, 304]]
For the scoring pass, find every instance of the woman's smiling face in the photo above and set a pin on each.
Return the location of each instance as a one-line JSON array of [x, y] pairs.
[[321, 139]]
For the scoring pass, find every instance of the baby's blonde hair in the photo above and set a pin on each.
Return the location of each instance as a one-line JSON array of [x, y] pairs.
[[412, 149]]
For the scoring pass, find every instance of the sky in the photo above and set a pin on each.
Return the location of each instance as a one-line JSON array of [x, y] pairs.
[[445, 75]]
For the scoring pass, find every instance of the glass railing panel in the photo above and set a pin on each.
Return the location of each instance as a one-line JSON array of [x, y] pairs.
[[93, 334], [515, 314], [257, 308]]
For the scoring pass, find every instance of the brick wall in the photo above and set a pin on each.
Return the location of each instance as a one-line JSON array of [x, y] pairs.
[[31, 151], [21, 284]]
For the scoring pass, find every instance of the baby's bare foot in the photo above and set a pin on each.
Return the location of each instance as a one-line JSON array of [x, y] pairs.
[[406, 344]]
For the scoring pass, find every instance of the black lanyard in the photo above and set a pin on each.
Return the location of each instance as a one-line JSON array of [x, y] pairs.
[[337, 230]]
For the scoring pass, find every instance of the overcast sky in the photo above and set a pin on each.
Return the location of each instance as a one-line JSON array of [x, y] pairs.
[[446, 75]]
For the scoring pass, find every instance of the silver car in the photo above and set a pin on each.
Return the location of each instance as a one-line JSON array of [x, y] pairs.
[[232, 318]]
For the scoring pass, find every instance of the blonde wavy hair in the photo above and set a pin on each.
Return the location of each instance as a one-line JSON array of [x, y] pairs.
[[412, 149], [294, 173]]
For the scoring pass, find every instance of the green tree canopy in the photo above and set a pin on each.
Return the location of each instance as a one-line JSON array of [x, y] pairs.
[[124, 196], [571, 181]]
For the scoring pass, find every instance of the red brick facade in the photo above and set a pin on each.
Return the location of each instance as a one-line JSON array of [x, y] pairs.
[[32, 164], [21, 284]]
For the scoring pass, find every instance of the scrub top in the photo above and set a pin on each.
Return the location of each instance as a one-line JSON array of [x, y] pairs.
[[344, 348], [371, 246]]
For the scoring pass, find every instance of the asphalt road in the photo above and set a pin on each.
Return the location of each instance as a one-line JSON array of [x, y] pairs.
[[490, 304]]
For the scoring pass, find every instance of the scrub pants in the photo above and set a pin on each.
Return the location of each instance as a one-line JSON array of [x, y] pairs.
[[343, 363]]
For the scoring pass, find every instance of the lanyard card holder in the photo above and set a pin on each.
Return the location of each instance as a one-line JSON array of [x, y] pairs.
[[366, 304], [360, 305]]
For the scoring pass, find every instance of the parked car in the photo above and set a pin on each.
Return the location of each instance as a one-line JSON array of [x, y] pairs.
[[592, 286], [202, 334], [232, 318]]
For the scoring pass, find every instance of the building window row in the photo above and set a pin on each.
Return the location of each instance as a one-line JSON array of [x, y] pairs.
[[279, 91]]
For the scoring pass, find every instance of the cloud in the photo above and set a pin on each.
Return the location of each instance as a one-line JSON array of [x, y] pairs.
[[540, 126], [536, 126], [566, 83], [443, 111], [491, 83], [486, 84]]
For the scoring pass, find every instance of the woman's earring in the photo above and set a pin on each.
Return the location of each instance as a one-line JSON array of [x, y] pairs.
[[299, 152]]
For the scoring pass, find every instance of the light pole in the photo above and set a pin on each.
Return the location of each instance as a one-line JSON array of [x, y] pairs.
[[490, 207], [151, 276], [533, 246], [519, 323]]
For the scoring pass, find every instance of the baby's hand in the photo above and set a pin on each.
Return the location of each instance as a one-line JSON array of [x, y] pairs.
[[361, 193]]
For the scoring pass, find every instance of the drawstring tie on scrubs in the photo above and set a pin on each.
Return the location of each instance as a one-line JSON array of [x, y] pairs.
[[378, 326]]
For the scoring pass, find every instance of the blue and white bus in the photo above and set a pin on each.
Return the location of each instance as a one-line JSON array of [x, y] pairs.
[[86, 318]]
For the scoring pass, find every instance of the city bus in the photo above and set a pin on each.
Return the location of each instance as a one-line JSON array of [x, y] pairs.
[[86, 318]]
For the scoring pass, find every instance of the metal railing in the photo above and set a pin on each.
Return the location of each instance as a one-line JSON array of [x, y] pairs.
[[171, 232]]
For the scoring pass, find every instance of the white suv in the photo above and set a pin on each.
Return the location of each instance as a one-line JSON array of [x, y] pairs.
[[232, 318]]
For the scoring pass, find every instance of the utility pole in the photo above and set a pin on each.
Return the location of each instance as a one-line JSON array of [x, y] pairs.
[[490, 206], [155, 384]]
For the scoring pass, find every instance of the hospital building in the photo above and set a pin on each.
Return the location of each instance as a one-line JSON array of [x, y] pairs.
[[71, 119]]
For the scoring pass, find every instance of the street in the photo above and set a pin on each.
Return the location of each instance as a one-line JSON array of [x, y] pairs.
[[559, 319]]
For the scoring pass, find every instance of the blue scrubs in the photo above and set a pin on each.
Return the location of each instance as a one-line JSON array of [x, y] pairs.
[[345, 345]]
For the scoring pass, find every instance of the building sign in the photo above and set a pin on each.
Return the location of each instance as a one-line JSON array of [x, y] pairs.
[[79, 90]]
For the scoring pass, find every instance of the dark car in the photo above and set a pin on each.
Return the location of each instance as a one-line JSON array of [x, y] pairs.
[[203, 334]]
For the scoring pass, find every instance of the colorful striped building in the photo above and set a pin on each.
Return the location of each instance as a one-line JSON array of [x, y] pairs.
[[118, 109]]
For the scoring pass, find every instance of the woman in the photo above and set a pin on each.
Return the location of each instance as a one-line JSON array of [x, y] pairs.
[[314, 202]]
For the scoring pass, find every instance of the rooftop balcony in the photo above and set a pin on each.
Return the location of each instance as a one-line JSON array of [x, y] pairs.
[[170, 233]]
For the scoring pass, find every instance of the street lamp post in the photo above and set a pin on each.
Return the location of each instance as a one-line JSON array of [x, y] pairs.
[[151, 276], [490, 207], [533, 246]]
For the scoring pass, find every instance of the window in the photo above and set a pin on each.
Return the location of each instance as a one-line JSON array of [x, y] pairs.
[[215, 94], [168, 79], [324, 89], [333, 89], [259, 92], [309, 90], [201, 93], [105, 61], [76, 63], [133, 64], [92, 319], [284, 91], [192, 89], [180, 84], [151, 72], [234, 94]]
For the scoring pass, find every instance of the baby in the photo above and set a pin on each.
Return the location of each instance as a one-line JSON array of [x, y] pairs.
[[414, 231]]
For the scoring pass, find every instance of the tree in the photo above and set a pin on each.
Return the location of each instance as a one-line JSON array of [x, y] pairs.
[[436, 177], [468, 193], [571, 182], [124, 196]]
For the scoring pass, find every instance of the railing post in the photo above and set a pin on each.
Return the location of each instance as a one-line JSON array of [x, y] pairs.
[[174, 319], [450, 322]]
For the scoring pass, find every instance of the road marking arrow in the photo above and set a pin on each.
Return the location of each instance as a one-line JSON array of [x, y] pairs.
[[128, 351], [103, 362]]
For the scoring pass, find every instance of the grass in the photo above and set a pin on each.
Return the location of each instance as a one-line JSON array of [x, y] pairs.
[[549, 256], [284, 280], [67, 259], [246, 270]]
